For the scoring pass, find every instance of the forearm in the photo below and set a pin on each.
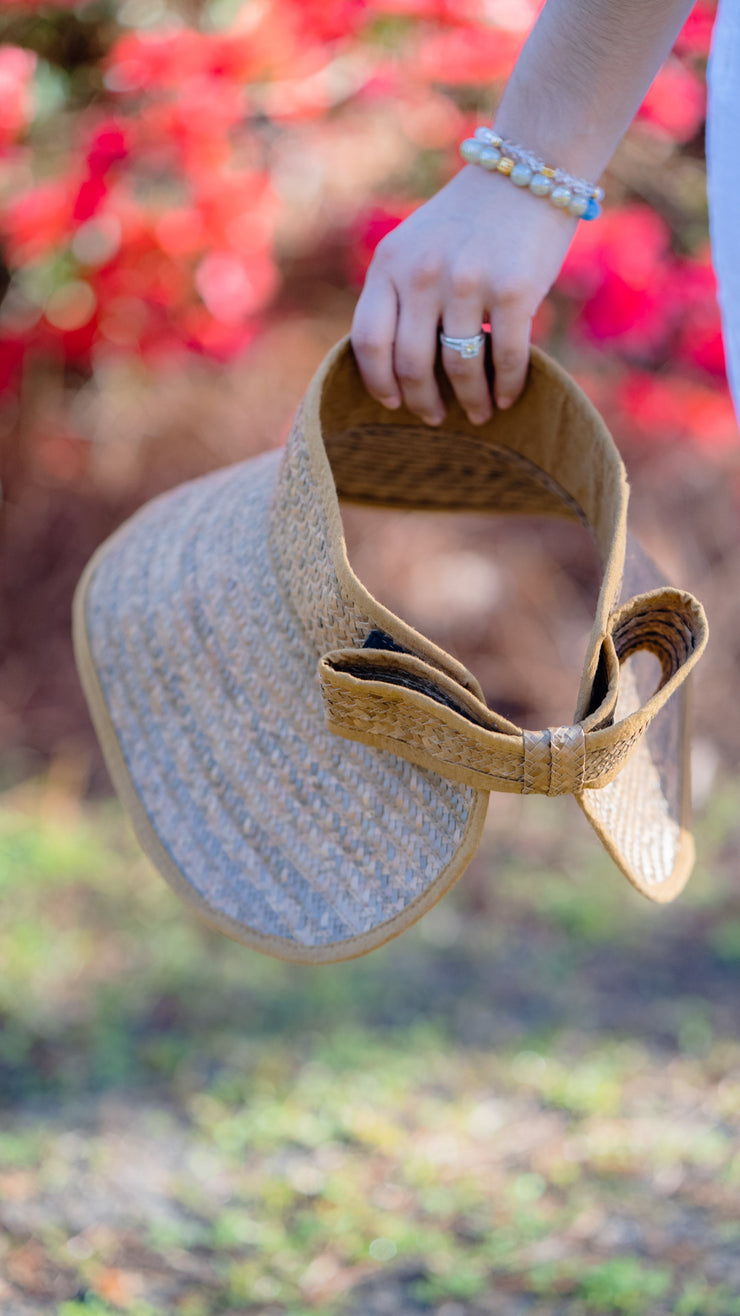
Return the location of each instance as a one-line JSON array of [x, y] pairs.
[[582, 76]]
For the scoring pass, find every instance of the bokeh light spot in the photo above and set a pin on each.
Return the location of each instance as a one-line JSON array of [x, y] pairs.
[[71, 306]]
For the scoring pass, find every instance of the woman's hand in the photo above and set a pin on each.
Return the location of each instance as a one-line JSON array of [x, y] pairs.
[[479, 250]]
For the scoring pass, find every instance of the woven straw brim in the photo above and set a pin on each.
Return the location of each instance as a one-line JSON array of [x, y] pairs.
[[640, 817], [203, 689]]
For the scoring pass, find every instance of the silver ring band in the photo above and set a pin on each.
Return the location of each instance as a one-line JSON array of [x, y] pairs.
[[467, 347]]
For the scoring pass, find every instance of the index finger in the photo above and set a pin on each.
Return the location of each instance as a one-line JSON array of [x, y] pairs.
[[372, 336]]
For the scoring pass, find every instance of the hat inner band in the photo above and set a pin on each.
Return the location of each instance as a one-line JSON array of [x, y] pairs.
[[550, 454]]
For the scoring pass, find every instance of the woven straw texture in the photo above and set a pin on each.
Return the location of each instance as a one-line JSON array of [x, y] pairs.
[[307, 771], [280, 827]]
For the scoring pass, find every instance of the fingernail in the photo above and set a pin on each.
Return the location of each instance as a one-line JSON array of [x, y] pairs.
[[503, 403], [391, 403], [434, 420], [478, 417]]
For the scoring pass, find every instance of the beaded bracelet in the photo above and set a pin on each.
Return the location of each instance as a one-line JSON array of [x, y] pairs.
[[576, 195]]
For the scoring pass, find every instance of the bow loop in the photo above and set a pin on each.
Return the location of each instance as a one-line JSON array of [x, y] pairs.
[[401, 702]]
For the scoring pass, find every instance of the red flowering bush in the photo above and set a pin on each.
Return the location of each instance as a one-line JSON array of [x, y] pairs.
[[151, 172]]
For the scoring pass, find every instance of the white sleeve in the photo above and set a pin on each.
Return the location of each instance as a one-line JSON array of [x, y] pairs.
[[723, 178]]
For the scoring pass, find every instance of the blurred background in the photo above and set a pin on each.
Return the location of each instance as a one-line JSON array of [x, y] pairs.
[[531, 1102]]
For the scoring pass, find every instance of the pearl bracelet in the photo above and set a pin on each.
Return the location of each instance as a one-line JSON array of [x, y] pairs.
[[576, 195]]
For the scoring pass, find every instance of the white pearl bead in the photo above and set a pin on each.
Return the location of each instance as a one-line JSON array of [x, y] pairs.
[[470, 150], [488, 136], [489, 157], [578, 205], [541, 185], [521, 175], [561, 197]]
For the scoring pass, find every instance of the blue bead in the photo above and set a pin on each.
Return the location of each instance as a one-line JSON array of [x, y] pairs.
[[593, 210]]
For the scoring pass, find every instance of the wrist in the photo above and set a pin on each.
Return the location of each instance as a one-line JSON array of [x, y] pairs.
[[583, 159], [581, 148]]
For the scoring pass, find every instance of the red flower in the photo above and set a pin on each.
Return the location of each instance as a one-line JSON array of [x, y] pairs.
[[140, 61], [699, 327], [180, 232], [696, 34], [456, 12], [473, 55], [620, 268], [238, 211], [435, 10], [192, 132], [330, 20], [667, 408], [232, 57], [90, 196], [632, 241], [12, 353], [634, 317], [37, 221], [110, 145], [220, 341], [235, 287], [366, 232]]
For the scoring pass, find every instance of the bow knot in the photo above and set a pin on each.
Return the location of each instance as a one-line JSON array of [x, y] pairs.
[[385, 696]]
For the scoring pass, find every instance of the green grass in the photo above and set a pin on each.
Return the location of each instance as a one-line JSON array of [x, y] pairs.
[[535, 1092]]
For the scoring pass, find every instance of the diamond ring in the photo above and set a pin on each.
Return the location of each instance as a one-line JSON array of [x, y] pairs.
[[465, 346]]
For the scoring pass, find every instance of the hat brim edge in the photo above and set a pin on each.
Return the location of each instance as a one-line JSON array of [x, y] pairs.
[[160, 857], [662, 893]]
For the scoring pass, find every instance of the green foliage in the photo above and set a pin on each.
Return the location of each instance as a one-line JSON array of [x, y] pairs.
[[623, 1285], [21, 1148], [464, 1282], [460, 1112], [726, 940], [699, 1298]]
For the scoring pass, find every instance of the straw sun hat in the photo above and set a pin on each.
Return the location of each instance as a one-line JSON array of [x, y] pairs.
[[307, 771]]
